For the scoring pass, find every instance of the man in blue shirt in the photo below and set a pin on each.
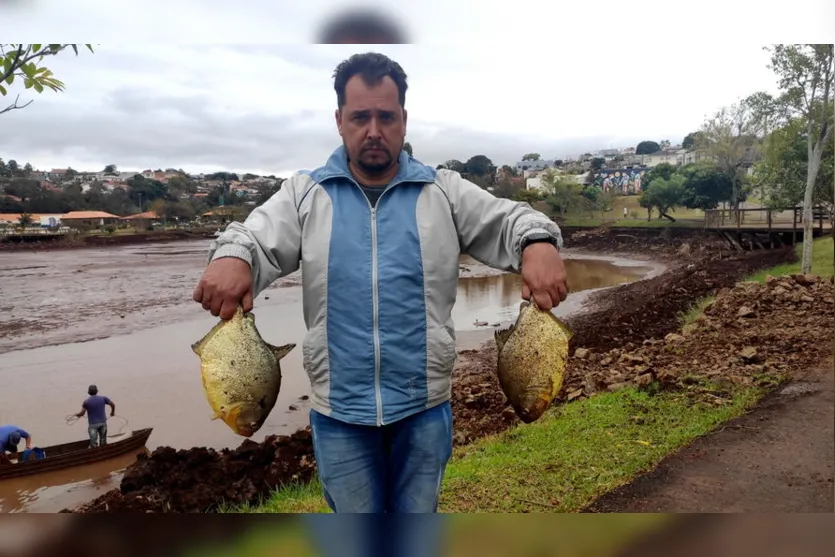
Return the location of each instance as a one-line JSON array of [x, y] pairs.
[[10, 436], [96, 416]]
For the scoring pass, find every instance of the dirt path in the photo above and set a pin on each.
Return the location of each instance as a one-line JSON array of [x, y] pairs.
[[778, 458]]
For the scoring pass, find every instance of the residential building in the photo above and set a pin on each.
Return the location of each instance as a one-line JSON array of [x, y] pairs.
[[541, 164], [89, 218]]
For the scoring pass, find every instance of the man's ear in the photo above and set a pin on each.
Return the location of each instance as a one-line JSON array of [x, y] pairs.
[[338, 116], [405, 121]]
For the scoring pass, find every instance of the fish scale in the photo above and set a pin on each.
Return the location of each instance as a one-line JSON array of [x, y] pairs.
[[241, 373], [532, 357]]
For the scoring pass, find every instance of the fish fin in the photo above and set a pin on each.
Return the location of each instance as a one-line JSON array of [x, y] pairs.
[[501, 336], [216, 415], [526, 303], [281, 351], [197, 347]]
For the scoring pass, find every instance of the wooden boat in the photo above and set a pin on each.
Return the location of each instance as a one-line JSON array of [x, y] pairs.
[[76, 453]]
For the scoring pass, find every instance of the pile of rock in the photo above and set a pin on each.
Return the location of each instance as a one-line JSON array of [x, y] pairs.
[[751, 333]]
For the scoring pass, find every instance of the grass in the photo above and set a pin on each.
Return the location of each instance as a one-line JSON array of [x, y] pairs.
[[562, 462], [470, 536], [823, 254]]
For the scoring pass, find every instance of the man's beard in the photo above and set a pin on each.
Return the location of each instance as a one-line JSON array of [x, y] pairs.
[[375, 167]]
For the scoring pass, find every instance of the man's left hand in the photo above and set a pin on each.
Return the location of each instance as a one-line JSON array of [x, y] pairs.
[[543, 275]]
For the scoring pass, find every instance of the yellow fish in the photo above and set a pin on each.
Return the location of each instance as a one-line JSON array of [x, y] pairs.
[[241, 372], [532, 355]]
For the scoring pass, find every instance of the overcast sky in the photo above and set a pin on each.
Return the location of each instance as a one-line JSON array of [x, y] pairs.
[[158, 93]]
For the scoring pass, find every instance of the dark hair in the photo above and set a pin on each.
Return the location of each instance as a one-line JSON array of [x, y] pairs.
[[372, 67], [92, 390], [363, 25]]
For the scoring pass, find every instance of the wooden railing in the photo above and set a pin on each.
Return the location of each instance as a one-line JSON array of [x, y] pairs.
[[763, 218]]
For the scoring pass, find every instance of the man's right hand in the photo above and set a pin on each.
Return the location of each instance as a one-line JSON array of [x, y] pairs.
[[226, 283]]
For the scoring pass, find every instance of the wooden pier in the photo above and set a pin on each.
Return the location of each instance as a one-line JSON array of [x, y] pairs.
[[762, 228]]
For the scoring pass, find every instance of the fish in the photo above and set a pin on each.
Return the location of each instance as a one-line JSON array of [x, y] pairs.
[[532, 358], [241, 372]]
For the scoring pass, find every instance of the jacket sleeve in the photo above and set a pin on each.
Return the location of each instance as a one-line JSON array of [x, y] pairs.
[[269, 240], [491, 228]]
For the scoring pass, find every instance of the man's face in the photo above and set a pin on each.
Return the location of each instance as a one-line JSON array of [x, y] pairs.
[[372, 124]]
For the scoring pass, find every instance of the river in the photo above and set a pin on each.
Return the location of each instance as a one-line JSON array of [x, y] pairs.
[[123, 318]]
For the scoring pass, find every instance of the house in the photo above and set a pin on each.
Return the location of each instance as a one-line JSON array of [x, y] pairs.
[[140, 220], [89, 218], [44, 220], [522, 166]]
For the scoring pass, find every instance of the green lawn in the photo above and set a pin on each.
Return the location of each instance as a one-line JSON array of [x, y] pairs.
[[474, 536], [562, 462]]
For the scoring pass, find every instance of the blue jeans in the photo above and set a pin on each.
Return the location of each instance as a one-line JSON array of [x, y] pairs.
[[395, 468], [98, 434]]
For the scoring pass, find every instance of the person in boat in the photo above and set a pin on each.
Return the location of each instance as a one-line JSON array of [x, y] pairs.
[[10, 436], [94, 407]]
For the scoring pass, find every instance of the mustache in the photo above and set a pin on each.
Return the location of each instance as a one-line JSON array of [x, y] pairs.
[[374, 145]]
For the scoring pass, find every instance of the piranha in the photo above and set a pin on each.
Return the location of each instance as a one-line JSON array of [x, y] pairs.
[[241, 372], [532, 355]]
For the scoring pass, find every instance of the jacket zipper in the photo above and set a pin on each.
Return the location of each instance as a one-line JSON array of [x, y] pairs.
[[378, 394]]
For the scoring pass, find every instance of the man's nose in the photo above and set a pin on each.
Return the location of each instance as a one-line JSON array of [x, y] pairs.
[[373, 129]]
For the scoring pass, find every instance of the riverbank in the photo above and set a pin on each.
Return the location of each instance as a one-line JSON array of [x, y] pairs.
[[75, 240], [478, 405]]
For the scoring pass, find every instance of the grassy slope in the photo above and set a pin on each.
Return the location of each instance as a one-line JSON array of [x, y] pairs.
[[574, 453], [475, 536]]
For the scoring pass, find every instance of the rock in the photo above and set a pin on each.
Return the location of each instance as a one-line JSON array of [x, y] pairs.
[[575, 394], [748, 354], [581, 353], [689, 329], [614, 387], [460, 438], [673, 338], [644, 380], [631, 358], [805, 280], [807, 299], [746, 311], [606, 361]]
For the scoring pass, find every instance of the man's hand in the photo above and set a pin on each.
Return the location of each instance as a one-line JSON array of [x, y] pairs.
[[225, 284], [543, 275]]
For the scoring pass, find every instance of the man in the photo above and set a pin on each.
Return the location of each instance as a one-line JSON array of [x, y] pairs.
[[10, 436], [96, 416], [379, 236]]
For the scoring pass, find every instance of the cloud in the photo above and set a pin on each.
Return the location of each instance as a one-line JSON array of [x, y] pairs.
[[180, 97]]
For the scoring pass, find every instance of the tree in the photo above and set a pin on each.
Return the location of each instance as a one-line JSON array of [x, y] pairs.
[[597, 163], [663, 195], [781, 173], [665, 144], [730, 139], [25, 220], [690, 140], [408, 148], [705, 186], [24, 61], [479, 165], [531, 157], [562, 193], [647, 148], [664, 171], [111, 169], [806, 75]]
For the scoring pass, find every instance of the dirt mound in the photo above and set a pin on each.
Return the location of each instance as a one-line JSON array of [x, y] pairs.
[[201, 479], [658, 243], [752, 333]]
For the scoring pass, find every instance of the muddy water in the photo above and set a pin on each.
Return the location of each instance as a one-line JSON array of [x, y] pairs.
[[122, 318]]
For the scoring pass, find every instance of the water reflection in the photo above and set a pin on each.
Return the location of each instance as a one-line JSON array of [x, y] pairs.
[[496, 299]]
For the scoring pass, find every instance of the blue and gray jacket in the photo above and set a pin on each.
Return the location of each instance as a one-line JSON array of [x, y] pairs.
[[379, 282]]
